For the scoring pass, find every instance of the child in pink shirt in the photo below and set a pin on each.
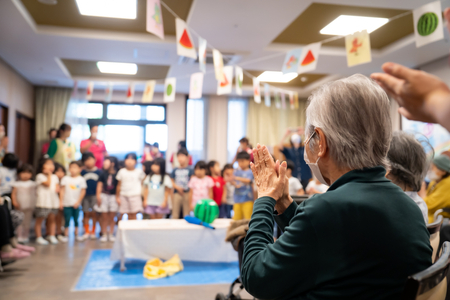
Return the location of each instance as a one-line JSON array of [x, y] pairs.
[[200, 185]]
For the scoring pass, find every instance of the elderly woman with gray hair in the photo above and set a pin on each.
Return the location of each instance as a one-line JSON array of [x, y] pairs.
[[408, 166], [359, 240]]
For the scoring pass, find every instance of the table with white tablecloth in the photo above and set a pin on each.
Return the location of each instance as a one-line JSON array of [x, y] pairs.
[[163, 238]]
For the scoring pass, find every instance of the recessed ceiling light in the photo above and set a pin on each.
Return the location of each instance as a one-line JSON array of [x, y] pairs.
[[49, 2], [345, 25], [303, 79], [117, 68], [122, 9], [273, 76]]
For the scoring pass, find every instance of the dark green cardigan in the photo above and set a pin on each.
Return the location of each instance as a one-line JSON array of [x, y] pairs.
[[359, 240]]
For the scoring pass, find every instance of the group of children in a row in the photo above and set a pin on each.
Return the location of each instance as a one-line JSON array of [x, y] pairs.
[[56, 195]]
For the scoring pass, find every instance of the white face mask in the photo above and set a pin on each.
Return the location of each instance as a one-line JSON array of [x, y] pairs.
[[296, 139], [314, 166], [2, 134], [94, 135], [433, 176]]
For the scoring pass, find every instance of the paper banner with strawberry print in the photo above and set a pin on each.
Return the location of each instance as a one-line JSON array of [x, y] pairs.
[[154, 18], [225, 86], [256, 90], [185, 44], [357, 46], [149, 90], [169, 89]]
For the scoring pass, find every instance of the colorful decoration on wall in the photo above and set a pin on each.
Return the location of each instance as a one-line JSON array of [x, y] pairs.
[[169, 89], [130, 93], [256, 90], [185, 45], [428, 24], [218, 64], [283, 100], [90, 90], [292, 61], [309, 57], [357, 46], [149, 90], [291, 100], [239, 80], [196, 86], [225, 86], [267, 95], [109, 92], [202, 54], [154, 18]]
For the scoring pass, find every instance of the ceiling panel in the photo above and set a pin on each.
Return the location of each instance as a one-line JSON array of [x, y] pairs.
[[300, 81], [305, 29], [65, 14], [82, 68]]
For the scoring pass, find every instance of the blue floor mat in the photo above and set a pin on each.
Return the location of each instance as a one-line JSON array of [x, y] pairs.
[[102, 273]]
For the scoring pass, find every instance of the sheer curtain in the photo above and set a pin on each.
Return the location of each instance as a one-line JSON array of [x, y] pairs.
[[76, 116], [51, 107]]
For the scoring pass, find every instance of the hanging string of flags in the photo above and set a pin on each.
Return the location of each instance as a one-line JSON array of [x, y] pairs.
[[428, 28]]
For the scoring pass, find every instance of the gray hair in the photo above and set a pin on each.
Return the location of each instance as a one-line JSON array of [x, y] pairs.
[[354, 115], [408, 161]]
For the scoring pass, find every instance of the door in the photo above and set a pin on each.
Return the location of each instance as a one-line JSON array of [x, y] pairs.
[[24, 147], [4, 117]]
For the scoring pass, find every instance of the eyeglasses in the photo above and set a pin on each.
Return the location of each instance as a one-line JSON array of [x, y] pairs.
[[306, 142]]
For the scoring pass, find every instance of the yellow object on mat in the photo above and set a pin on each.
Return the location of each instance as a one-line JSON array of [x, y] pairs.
[[155, 268]]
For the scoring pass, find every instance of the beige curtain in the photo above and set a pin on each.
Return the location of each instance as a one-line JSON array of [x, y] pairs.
[[51, 106], [267, 125]]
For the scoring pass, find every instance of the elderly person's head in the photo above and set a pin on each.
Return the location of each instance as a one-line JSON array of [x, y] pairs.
[[440, 168], [348, 127], [408, 162]]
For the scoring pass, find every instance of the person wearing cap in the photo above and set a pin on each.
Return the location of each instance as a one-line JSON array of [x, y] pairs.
[[438, 191], [295, 154]]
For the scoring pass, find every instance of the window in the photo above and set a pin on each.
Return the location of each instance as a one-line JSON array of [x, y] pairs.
[[155, 113], [237, 125], [94, 111], [157, 133], [124, 112], [195, 128], [122, 139]]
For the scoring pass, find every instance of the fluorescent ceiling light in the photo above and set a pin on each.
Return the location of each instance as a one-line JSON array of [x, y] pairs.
[[117, 68], [345, 25], [272, 76], [122, 9]]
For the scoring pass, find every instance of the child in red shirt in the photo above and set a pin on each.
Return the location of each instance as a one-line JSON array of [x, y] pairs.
[[219, 184]]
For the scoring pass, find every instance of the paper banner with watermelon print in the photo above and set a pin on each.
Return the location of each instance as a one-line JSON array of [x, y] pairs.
[[149, 90], [185, 44], [89, 90], [224, 87], [256, 90], [428, 25], [296, 104], [130, 93], [109, 92], [196, 86], [308, 59], [170, 85], [357, 46], [283, 100], [267, 95], [277, 99], [202, 54], [292, 61], [154, 18], [239, 80], [291, 100], [218, 64]]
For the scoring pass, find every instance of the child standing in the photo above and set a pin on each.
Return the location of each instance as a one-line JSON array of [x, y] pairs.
[[228, 177], [295, 187], [60, 171], [243, 194], [180, 180], [315, 187], [218, 189], [157, 187], [47, 202], [8, 173], [73, 189], [106, 198], [91, 174], [24, 199], [129, 188], [200, 185]]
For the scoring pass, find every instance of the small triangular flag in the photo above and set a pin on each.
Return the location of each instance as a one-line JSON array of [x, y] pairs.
[[225, 86], [196, 86], [239, 80], [202, 54], [108, 92], [357, 46], [267, 95], [218, 64], [309, 57]]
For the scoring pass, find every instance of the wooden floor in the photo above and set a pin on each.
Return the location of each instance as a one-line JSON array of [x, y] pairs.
[[52, 271]]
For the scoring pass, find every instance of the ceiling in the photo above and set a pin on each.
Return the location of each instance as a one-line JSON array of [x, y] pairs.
[[54, 45]]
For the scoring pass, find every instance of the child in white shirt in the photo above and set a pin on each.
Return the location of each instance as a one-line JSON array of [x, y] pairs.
[[295, 187], [8, 173], [73, 189], [157, 187], [315, 187]]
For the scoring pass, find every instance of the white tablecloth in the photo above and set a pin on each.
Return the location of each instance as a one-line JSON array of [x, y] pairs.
[[146, 239]]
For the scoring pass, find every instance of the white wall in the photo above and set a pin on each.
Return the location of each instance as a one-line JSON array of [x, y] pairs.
[[439, 68], [217, 129], [18, 95]]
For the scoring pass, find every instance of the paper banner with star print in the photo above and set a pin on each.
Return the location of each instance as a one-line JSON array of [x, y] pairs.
[[130, 93], [196, 86], [185, 44], [154, 18], [109, 92], [90, 90], [357, 46], [218, 64], [267, 95], [239, 75], [169, 89], [256, 90], [224, 87], [149, 90]]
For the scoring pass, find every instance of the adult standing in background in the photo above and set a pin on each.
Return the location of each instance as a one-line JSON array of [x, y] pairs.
[[3, 142], [61, 150], [295, 154], [244, 145], [174, 159], [95, 146], [51, 136]]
